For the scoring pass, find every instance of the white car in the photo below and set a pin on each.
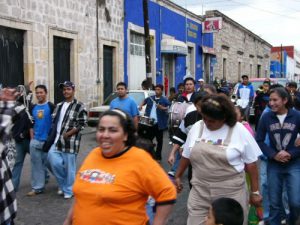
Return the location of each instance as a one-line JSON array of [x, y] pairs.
[[138, 95]]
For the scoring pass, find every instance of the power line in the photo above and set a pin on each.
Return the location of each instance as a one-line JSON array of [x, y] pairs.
[[264, 10]]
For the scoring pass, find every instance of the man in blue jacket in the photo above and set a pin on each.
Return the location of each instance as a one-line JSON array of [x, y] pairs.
[[245, 96], [157, 109]]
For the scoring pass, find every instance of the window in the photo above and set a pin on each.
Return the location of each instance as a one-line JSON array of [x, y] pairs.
[[137, 44], [224, 68]]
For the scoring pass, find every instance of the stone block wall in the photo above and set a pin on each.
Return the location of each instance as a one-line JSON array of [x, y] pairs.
[[75, 19], [238, 45]]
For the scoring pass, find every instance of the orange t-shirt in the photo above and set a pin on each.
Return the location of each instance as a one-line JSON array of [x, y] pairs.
[[115, 190]]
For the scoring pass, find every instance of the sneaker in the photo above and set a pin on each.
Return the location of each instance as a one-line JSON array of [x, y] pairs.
[[59, 192], [33, 193], [68, 196], [171, 173]]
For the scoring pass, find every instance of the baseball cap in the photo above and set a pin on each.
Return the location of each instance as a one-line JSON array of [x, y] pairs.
[[200, 80], [66, 84]]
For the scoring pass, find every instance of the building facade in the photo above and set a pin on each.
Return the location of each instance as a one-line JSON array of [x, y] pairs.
[[287, 59], [238, 51], [176, 43], [51, 41]]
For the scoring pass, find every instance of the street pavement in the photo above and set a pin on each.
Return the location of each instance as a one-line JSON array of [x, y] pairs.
[[50, 209]]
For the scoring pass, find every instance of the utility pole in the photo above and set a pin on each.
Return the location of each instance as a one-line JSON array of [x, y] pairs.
[[281, 64], [147, 44]]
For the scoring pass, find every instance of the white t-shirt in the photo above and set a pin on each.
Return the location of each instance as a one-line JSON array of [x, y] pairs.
[[61, 117], [188, 96], [241, 149], [281, 118], [189, 109]]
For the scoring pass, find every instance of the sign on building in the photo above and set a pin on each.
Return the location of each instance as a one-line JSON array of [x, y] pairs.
[[213, 24]]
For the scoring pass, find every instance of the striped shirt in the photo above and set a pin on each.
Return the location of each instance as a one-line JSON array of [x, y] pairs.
[[8, 202], [75, 117]]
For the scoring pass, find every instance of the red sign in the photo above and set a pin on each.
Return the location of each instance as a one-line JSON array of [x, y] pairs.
[[212, 24]]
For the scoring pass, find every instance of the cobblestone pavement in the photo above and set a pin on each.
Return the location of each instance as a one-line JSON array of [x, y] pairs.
[[50, 209]]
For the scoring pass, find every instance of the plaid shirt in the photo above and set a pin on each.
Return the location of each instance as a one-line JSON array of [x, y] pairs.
[[8, 202], [75, 117]]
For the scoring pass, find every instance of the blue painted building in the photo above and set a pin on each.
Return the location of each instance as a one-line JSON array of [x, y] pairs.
[[278, 65], [176, 43]]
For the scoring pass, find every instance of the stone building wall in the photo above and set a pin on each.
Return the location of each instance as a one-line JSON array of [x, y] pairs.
[[74, 19], [241, 49]]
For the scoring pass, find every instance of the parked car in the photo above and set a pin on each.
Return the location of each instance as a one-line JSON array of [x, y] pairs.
[[137, 95]]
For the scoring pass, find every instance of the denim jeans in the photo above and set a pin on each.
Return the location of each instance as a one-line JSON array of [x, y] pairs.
[[278, 176], [176, 163], [22, 149], [149, 209], [264, 187], [38, 165], [63, 167]]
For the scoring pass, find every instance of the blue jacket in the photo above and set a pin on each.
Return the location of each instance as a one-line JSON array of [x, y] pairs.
[[162, 115], [241, 89], [281, 138]]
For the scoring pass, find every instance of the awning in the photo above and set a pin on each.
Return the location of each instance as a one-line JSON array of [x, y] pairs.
[[208, 50], [172, 46]]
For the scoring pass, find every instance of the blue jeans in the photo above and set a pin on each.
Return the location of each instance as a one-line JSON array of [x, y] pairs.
[[176, 163], [278, 176], [38, 165], [264, 187], [63, 167], [149, 209], [22, 149]]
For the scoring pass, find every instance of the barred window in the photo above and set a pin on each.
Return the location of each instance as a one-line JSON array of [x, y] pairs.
[[137, 44]]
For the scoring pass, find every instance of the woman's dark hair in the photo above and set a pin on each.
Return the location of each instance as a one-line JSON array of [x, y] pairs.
[[126, 123], [41, 86], [283, 93], [227, 211], [219, 107]]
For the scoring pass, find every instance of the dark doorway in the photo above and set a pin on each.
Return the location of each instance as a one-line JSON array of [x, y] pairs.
[[11, 57], [107, 70], [62, 47]]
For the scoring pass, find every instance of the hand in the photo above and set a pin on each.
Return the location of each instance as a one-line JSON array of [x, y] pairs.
[[178, 184], [66, 135], [171, 158], [297, 142], [282, 156], [140, 108], [9, 94], [256, 200]]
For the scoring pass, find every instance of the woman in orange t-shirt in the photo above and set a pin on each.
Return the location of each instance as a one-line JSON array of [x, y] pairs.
[[114, 182]]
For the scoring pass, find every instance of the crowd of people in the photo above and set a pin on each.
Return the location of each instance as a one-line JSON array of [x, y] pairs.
[[121, 181]]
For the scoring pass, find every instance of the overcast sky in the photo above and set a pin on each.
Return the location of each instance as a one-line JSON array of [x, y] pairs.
[[276, 21]]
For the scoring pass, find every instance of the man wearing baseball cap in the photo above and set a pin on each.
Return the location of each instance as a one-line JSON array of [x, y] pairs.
[[70, 117], [201, 85]]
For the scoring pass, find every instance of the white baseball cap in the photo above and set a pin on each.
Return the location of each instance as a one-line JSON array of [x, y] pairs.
[[200, 80]]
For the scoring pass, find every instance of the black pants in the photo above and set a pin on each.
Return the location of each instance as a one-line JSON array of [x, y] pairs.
[[159, 135], [151, 133]]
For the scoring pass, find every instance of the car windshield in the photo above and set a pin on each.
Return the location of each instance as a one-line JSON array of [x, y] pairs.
[[137, 96], [256, 84]]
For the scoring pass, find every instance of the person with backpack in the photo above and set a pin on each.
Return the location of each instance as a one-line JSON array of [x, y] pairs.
[[41, 113]]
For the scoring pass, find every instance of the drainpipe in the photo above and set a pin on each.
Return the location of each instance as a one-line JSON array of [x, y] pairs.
[[97, 41]]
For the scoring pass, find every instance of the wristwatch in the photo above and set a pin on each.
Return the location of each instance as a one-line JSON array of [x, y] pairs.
[[255, 193]]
